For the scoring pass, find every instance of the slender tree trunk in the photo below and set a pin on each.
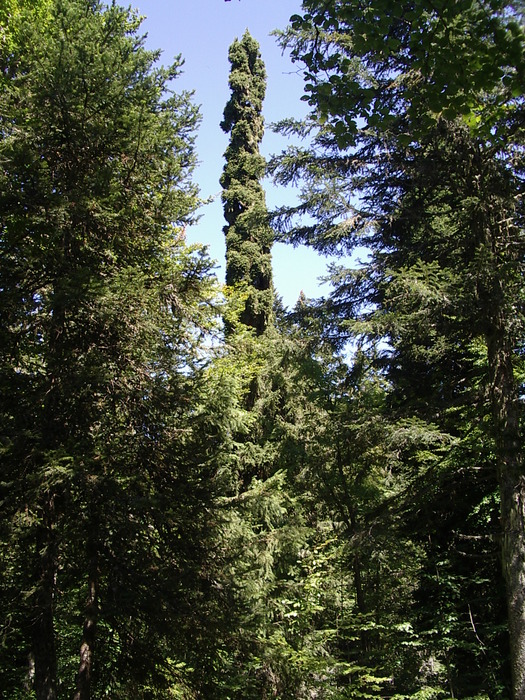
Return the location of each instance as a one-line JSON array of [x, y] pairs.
[[43, 633], [87, 647], [364, 635], [513, 555], [506, 412], [46, 543]]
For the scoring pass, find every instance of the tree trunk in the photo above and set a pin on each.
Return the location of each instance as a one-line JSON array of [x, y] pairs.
[[87, 647], [43, 633], [364, 635], [506, 412], [513, 556]]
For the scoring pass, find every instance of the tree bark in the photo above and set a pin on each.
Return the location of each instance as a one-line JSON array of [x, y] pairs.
[[87, 647], [506, 413], [43, 632], [513, 556]]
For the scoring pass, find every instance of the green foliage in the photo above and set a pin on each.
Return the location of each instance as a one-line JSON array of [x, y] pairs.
[[248, 235], [398, 165], [14, 14], [107, 463], [396, 69], [274, 515]]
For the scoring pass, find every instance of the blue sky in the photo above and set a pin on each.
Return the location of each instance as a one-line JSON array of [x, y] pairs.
[[202, 31]]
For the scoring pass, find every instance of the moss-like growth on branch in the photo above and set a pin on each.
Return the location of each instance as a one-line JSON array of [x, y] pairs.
[[248, 234]]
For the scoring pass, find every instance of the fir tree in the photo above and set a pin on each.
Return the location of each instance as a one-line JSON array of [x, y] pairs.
[[248, 235], [102, 307], [437, 308]]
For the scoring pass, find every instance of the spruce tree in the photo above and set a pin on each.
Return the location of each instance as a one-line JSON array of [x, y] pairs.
[[248, 235], [437, 308], [265, 529], [105, 487]]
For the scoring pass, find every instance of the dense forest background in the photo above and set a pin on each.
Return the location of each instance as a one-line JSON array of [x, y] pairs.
[[208, 496]]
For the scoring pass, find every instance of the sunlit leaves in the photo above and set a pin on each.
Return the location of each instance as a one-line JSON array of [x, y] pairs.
[[423, 61]]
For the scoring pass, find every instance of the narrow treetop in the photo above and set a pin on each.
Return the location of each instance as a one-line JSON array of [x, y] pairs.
[[248, 87], [248, 234]]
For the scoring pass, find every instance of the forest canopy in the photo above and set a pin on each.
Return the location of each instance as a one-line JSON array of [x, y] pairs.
[[206, 495]]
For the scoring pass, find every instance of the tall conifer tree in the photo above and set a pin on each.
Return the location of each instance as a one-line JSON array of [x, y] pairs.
[[101, 310], [248, 235], [420, 161]]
